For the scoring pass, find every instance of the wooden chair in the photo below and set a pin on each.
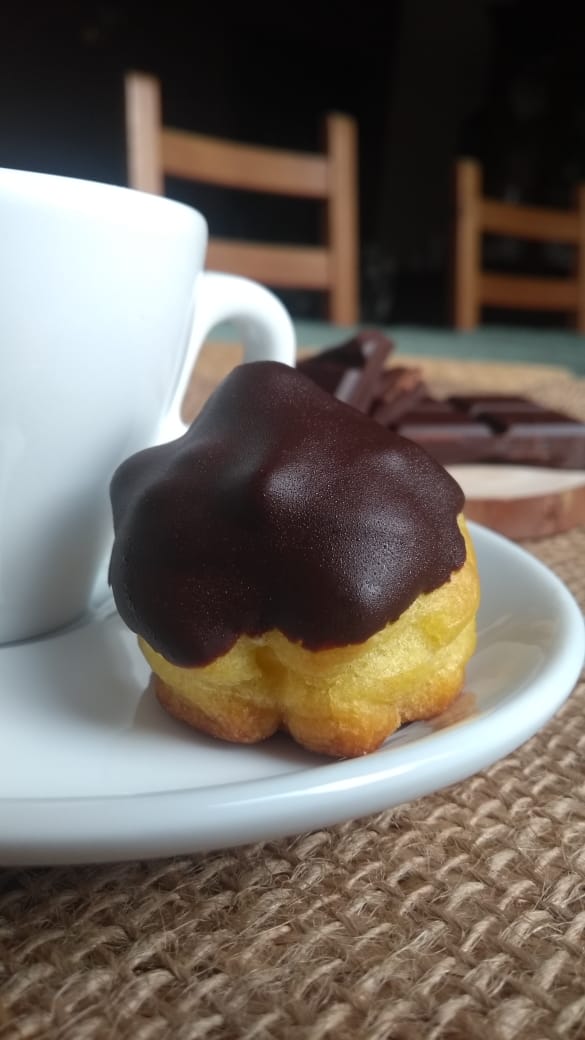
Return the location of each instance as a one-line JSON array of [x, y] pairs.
[[155, 150], [477, 215]]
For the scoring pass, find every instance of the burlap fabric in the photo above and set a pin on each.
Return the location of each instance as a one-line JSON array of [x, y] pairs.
[[458, 917]]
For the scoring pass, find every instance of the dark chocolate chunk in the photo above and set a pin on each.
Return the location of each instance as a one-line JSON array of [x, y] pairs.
[[442, 425], [522, 423], [356, 351], [434, 406], [473, 404], [530, 436], [448, 435], [401, 388], [351, 371]]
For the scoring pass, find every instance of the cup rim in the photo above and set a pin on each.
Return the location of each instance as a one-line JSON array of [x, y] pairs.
[[73, 193]]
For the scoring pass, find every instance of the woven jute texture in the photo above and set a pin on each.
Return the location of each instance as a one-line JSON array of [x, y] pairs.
[[458, 917]]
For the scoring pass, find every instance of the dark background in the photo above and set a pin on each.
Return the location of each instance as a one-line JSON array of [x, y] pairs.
[[427, 80]]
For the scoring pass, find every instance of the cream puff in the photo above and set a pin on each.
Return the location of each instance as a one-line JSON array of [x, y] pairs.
[[291, 564]]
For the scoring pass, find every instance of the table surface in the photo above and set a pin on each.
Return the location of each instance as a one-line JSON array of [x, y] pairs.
[[460, 915], [502, 343]]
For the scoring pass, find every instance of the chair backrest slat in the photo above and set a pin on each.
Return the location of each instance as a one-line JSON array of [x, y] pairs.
[[476, 215], [248, 167], [156, 151]]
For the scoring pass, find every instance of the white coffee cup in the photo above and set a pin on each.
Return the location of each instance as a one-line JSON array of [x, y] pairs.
[[104, 305]]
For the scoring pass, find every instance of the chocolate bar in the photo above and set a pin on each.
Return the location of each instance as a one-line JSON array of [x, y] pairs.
[[491, 430], [502, 428]]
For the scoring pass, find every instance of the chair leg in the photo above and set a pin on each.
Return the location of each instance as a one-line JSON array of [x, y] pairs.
[[467, 245], [143, 133], [342, 219], [580, 259]]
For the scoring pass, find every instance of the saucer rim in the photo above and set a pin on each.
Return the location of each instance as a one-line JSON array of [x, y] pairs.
[[97, 828]]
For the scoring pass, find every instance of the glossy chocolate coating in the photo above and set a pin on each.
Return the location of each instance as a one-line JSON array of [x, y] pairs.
[[280, 508]]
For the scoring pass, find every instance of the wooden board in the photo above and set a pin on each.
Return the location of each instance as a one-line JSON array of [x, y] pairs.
[[523, 501]]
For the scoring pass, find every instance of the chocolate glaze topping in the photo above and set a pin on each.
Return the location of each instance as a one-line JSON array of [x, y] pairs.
[[283, 508]]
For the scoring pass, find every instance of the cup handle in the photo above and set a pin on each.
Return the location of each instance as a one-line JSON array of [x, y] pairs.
[[264, 323]]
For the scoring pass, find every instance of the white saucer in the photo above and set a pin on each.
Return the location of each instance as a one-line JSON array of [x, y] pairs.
[[92, 769]]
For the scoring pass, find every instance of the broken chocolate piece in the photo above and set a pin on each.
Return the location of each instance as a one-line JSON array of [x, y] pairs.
[[401, 388], [473, 404], [357, 351], [351, 372]]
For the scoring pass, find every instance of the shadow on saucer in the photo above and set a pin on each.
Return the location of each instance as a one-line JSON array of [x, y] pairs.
[[97, 674]]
